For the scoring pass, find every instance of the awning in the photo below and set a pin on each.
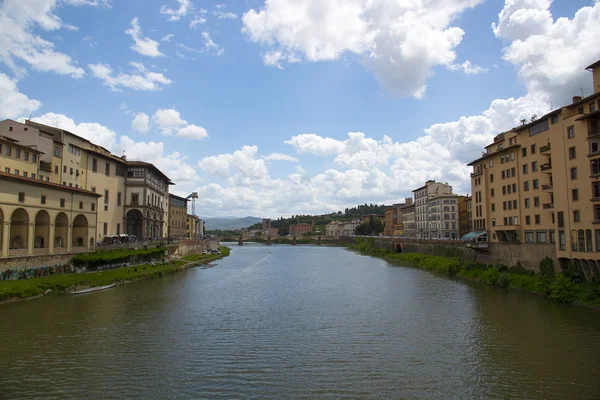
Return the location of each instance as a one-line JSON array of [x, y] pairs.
[[473, 235]]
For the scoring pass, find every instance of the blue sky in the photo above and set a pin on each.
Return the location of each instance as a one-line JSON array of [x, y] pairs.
[[422, 86]]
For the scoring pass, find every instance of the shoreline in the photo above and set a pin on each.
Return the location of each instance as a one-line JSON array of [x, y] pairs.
[[28, 289], [553, 287]]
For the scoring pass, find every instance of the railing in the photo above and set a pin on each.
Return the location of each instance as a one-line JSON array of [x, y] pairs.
[[548, 206], [593, 132], [45, 166], [546, 167], [547, 187], [476, 173], [545, 148]]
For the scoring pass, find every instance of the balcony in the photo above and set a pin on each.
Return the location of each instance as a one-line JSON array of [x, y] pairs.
[[547, 187], [548, 206], [593, 133], [545, 149], [45, 166], [546, 167], [473, 174]]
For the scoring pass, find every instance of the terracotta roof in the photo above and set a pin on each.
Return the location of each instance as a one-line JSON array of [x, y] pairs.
[[52, 185], [147, 164], [584, 100], [594, 65]]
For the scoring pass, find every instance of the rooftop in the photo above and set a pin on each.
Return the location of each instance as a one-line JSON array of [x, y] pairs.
[[13, 177]]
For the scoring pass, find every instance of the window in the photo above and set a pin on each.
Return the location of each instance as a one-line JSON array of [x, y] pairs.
[[576, 216], [105, 196], [71, 171], [17, 153], [107, 169], [43, 199], [94, 165], [119, 198], [533, 149], [575, 194], [65, 169], [562, 240], [7, 170], [491, 177], [561, 219], [552, 236], [528, 220], [534, 166], [56, 169], [33, 176], [536, 201], [528, 237], [25, 174], [592, 107], [7, 150], [74, 150], [62, 203], [524, 152], [515, 204], [26, 156], [493, 207], [118, 229], [571, 132], [526, 186], [81, 205], [491, 163], [514, 188], [574, 173], [21, 197], [135, 199], [540, 237], [57, 151], [554, 118], [10, 128], [596, 213], [512, 156], [120, 170], [513, 171], [527, 203], [581, 237], [17, 172], [76, 172], [539, 127], [525, 169], [572, 153], [588, 240], [597, 233], [503, 189], [93, 189], [105, 229], [135, 173], [503, 174], [34, 158], [537, 219], [536, 184], [595, 167], [93, 206], [492, 192], [504, 205]]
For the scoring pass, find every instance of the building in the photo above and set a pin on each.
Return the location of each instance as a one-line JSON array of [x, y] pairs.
[[18, 159], [539, 182], [332, 229], [177, 216], [194, 227], [421, 196], [443, 216], [465, 215], [266, 224], [409, 223], [389, 221], [43, 218], [338, 229], [300, 229]]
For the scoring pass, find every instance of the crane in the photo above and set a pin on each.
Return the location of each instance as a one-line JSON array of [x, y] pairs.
[[193, 196]]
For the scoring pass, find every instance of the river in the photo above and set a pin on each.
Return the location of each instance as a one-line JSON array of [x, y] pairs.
[[299, 322]]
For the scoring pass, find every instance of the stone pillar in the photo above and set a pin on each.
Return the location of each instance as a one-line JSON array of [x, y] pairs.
[[30, 238], [240, 241], [69, 238], [5, 238], [51, 234], [294, 243]]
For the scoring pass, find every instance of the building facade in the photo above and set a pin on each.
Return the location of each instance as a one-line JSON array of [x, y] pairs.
[[443, 217], [465, 215], [20, 160], [540, 182], [44, 218], [177, 216], [409, 221], [421, 196], [300, 229]]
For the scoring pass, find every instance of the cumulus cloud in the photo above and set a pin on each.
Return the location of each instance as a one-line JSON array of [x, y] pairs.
[[175, 14], [280, 157], [169, 122], [13, 103], [141, 44], [139, 79], [192, 132], [94, 132], [141, 123], [467, 68], [167, 38], [401, 42]]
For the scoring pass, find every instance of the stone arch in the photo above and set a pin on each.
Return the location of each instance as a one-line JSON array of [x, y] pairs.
[[42, 230], [80, 231], [19, 229], [398, 248], [134, 222], [61, 231]]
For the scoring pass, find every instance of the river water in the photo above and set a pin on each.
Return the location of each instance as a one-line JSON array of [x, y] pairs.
[[299, 322]]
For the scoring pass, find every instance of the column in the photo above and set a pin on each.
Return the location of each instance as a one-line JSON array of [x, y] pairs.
[[5, 238], [51, 234], [69, 238], [30, 238]]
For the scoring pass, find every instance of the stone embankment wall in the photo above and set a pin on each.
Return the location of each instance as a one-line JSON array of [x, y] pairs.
[[526, 255], [180, 249]]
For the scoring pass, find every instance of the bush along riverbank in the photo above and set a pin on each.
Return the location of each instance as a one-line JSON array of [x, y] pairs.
[[28, 288], [563, 287]]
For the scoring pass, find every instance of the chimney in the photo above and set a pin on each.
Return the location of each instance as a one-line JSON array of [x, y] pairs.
[[124, 157], [576, 99]]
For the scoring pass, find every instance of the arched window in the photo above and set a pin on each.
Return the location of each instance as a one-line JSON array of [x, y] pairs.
[[597, 232], [574, 240], [581, 240], [589, 246]]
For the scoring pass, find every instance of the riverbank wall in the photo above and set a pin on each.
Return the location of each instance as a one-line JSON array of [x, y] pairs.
[[526, 255], [179, 249]]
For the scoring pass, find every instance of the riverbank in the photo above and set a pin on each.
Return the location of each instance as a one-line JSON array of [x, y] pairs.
[[557, 286], [17, 290]]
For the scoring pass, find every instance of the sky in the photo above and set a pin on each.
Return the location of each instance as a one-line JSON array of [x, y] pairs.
[[280, 107]]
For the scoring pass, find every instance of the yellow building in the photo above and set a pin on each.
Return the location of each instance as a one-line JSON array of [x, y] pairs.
[[540, 182], [192, 227], [177, 216], [20, 160], [44, 218]]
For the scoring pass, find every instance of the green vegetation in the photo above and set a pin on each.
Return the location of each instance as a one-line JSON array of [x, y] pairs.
[[206, 258], [101, 258], [62, 283], [556, 286], [372, 227]]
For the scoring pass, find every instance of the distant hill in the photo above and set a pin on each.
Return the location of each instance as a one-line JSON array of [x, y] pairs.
[[225, 223]]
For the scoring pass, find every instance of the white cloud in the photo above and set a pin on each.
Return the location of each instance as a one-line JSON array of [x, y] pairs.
[[467, 68], [314, 144], [197, 20], [550, 55], [401, 42], [300, 170], [280, 157], [12, 102], [141, 123], [169, 122], [142, 45], [224, 14], [175, 14], [139, 79], [240, 168], [94, 132], [210, 45], [192, 132], [167, 38]]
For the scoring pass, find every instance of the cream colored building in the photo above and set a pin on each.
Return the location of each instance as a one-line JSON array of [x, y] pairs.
[[409, 229], [44, 218], [540, 182], [421, 197], [443, 216], [19, 160], [177, 216], [194, 227]]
